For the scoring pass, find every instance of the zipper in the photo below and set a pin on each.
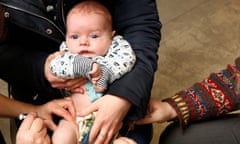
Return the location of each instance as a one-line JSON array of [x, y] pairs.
[[30, 13]]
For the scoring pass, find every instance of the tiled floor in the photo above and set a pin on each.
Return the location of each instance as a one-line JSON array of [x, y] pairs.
[[198, 37]]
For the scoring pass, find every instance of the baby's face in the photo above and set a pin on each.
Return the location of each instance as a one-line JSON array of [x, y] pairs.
[[88, 35]]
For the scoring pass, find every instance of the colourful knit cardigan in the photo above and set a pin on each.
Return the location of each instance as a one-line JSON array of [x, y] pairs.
[[214, 96]]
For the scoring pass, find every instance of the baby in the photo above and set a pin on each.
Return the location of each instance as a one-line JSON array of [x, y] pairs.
[[92, 51]]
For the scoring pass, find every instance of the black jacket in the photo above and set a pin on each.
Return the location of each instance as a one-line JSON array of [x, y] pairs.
[[33, 35]]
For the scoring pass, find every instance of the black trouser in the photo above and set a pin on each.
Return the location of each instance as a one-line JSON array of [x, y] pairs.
[[224, 130], [2, 141]]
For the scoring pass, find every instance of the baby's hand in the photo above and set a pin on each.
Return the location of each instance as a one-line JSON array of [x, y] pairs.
[[95, 73], [98, 88]]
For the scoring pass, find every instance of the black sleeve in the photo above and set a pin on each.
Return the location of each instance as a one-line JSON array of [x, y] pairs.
[[22, 59], [138, 22]]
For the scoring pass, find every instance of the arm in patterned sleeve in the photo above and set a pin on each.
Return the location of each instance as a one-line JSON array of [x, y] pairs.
[[70, 65], [214, 96], [119, 60]]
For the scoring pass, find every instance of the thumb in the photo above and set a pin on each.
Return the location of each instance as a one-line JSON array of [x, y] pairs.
[[53, 55]]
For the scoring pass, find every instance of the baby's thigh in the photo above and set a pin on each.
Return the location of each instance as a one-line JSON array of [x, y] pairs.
[[124, 140], [66, 132]]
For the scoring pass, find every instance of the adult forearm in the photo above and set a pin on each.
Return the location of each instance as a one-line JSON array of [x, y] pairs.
[[216, 95], [141, 28], [12, 108]]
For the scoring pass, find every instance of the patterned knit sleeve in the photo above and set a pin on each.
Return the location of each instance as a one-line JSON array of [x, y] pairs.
[[214, 96]]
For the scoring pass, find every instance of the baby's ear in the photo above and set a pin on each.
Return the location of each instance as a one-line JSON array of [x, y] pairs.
[[3, 24]]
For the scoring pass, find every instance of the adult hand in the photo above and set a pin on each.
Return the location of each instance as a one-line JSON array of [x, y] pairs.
[[60, 107], [158, 112], [32, 131], [110, 112], [73, 85]]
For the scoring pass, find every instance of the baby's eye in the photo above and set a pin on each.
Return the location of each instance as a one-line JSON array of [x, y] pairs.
[[74, 37], [94, 36]]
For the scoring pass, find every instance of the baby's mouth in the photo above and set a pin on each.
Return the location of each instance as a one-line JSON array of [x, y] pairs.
[[86, 53]]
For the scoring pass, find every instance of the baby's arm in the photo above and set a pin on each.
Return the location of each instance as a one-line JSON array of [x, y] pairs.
[[119, 60], [69, 65]]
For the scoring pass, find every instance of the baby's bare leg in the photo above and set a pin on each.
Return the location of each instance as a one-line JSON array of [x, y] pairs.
[[66, 133], [124, 140]]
